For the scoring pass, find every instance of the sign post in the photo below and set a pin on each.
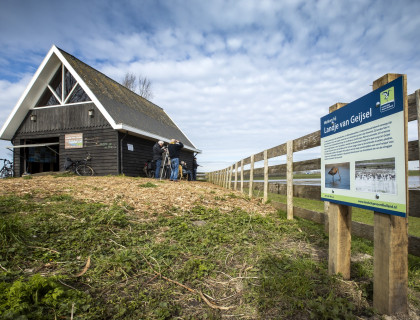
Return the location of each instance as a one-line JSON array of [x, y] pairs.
[[390, 262], [339, 230]]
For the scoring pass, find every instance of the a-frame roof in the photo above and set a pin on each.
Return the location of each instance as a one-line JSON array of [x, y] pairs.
[[125, 110]]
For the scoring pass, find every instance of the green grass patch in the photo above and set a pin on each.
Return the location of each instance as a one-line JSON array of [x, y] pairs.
[[148, 185], [358, 214], [141, 266]]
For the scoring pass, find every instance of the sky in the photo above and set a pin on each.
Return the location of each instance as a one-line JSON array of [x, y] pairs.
[[237, 77]]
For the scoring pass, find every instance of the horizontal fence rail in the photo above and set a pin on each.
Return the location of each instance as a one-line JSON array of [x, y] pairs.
[[234, 176]]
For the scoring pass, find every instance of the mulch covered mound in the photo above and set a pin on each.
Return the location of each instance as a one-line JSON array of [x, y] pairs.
[[143, 194]]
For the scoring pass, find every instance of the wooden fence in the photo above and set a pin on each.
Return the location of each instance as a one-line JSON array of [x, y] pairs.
[[232, 177]]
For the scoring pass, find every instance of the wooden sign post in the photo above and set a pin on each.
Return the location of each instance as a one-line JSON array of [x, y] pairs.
[[339, 229], [390, 280]]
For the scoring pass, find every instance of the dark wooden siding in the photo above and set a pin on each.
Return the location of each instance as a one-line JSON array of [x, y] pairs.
[[133, 161], [100, 143], [188, 157], [17, 163], [99, 139], [61, 118]]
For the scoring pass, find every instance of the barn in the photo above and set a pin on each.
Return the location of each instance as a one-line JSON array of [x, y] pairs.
[[69, 109]]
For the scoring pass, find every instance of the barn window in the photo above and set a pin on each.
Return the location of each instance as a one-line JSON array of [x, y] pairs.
[[62, 89]]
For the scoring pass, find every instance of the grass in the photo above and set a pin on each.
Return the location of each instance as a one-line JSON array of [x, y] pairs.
[[62, 258], [148, 185], [235, 259], [358, 214]]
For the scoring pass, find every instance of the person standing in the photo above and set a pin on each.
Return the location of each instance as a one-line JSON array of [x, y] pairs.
[[194, 171], [185, 171], [158, 150], [174, 148]]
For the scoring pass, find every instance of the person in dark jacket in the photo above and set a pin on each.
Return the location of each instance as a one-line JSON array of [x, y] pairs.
[[194, 171], [158, 150], [174, 149], [185, 171]]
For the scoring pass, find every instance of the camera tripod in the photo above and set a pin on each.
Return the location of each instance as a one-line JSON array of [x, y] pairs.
[[164, 163]]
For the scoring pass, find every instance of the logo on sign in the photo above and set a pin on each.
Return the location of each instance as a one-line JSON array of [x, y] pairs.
[[387, 99]]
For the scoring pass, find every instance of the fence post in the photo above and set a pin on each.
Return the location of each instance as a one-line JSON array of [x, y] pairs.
[[265, 177], [390, 260], [339, 227], [289, 178], [251, 177], [225, 182], [242, 176], [235, 186], [230, 177], [227, 177]]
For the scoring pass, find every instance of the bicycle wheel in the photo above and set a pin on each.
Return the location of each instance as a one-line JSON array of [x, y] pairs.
[[3, 174], [84, 170], [9, 173]]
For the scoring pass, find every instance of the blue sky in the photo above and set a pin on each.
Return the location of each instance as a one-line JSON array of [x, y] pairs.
[[237, 77]]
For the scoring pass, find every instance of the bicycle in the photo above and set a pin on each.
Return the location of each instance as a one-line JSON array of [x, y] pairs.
[[79, 167], [7, 170], [149, 168]]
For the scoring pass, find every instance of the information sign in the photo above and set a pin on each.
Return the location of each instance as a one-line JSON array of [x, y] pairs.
[[363, 154], [73, 141]]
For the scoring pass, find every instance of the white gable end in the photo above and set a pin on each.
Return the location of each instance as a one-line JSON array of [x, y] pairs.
[[36, 89]]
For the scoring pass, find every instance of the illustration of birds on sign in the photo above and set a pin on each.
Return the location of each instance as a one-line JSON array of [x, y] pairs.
[[386, 94], [333, 172]]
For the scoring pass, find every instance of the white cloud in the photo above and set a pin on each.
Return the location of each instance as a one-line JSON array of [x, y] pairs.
[[236, 78]]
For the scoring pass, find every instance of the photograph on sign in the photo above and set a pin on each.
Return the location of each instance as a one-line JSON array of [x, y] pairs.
[[376, 176], [363, 153], [338, 175]]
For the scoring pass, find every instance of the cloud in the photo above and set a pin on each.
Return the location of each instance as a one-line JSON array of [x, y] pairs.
[[236, 78]]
